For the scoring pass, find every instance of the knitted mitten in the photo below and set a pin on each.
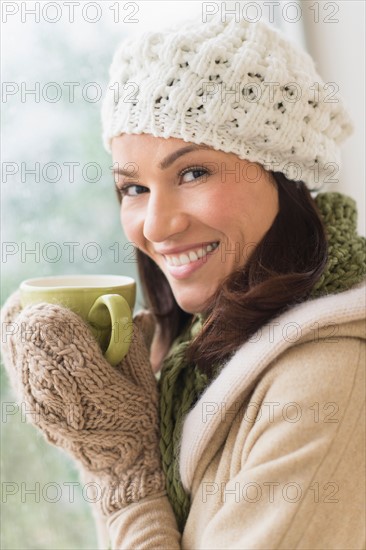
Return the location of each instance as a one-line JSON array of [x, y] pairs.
[[105, 417]]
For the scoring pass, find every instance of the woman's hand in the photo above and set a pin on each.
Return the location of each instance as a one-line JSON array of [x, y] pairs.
[[105, 417]]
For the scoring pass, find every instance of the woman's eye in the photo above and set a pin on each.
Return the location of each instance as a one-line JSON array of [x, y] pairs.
[[197, 173], [131, 190], [187, 175]]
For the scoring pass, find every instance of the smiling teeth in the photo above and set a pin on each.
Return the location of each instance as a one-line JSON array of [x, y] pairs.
[[191, 256]]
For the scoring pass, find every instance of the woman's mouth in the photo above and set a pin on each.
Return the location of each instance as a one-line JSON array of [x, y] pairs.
[[182, 265], [190, 256]]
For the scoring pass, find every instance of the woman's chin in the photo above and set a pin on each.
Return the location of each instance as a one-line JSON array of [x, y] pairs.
[[190, 305]]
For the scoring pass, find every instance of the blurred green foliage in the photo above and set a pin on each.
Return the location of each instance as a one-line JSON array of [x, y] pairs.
[[42, 216]]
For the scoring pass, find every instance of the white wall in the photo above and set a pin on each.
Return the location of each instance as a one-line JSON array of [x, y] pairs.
[[339, 51]]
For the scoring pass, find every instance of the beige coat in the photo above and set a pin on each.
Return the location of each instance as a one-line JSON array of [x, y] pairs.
[[273, 451]]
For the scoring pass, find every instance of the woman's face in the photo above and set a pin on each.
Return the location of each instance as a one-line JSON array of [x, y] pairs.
[[179, 204]]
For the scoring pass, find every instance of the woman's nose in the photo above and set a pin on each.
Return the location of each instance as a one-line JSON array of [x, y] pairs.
[[164, 217]]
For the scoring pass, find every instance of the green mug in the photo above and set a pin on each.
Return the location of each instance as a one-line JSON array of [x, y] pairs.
[[105, 302]]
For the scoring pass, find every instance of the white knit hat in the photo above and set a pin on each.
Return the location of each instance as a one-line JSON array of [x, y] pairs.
[[239, 87]]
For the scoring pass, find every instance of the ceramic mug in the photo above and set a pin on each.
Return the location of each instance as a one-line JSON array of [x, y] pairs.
[[104, 302]]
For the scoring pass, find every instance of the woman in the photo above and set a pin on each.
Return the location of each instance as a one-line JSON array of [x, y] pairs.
[[249, 434]]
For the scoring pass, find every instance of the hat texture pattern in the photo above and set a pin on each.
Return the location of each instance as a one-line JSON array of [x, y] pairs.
[[240, 87]]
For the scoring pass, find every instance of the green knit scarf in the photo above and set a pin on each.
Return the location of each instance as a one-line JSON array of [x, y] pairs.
[[181, 384]]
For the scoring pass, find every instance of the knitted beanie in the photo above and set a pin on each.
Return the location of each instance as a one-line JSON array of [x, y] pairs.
[[239, 87]]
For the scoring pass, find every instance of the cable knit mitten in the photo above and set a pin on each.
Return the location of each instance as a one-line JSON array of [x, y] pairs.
[[105, 417]]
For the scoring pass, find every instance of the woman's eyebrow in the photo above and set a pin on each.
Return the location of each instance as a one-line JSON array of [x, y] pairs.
[[165, 163]]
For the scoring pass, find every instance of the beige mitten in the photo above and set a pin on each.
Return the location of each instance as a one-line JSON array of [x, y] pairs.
[[105, 417]]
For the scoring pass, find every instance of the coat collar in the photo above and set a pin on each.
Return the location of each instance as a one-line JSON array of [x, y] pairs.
[[304, 322]]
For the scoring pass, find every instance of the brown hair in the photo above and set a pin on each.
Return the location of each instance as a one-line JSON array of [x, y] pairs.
[[280, 272]]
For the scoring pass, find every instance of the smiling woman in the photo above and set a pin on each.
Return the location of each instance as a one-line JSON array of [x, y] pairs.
[[166, 215], [215, 431]]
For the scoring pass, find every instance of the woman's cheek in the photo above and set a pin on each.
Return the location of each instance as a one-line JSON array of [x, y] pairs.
[[212, 203], [218, 205], [129, 226]]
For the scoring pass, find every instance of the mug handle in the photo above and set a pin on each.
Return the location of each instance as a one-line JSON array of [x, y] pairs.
[[121, 324]]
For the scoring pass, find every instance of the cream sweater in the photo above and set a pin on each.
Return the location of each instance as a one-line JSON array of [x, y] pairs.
[[273, 451]]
